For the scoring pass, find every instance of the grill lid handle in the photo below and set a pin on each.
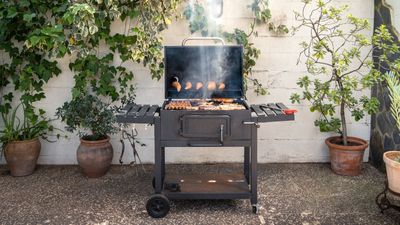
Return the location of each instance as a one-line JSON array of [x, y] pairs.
[[203, 39]]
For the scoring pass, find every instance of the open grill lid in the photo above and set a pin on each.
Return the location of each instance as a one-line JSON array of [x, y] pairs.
[[203, 72]]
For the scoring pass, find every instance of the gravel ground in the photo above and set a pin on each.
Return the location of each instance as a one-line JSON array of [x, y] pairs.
[[288, 194]]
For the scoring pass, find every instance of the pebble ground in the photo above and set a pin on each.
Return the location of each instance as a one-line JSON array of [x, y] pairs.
[[288, 194]]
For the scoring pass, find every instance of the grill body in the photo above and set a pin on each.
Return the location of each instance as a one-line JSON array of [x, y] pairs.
[[203, 128]]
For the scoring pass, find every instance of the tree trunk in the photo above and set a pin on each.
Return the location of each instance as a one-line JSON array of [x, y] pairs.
[[342, 108], [343, 121]]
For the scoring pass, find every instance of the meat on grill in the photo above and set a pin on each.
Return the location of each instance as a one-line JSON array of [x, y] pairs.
[[199, 85], [211, 85], [188, 85]]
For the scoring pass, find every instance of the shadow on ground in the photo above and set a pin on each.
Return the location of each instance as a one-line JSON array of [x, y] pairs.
[[288, 194]]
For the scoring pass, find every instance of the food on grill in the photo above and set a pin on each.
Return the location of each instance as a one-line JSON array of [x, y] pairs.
[[178, 105], [203, 105], [212, 85], [225, 100], [221, 86], [199, 85], [188, 85], [177, 85], [231, 106]]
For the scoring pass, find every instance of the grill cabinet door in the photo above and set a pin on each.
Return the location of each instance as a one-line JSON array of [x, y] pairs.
[[205, 126]]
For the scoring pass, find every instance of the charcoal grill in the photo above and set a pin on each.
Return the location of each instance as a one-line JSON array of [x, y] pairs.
[[208, 112]]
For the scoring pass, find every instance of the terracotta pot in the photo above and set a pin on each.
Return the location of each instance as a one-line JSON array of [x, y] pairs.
[[22, 156], [346, 160], [94, 157], [392, 170]]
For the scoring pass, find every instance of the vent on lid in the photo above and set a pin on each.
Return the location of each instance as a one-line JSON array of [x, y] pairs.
[[203, 72]]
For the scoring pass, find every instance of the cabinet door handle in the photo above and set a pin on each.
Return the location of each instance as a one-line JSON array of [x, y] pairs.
[[251, 123], [222, 133]]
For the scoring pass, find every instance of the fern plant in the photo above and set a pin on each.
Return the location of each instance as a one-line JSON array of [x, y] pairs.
[[394, 95]]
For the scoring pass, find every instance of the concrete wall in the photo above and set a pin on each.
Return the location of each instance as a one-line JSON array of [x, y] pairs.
[[297, 141]]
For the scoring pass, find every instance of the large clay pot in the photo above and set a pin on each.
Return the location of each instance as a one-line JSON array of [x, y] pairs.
[[94, 157], [346, 160], [22, 156], [392, 170]]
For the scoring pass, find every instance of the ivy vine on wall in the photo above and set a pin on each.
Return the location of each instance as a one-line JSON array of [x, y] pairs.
[[33, 34], [199, 22]]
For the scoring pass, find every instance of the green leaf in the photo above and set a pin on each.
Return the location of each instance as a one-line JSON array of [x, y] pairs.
[[11, 12], [24, 3], [33, 41], [28, 17], [134, 13]]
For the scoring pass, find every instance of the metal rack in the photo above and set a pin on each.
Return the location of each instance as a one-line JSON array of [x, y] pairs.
[[384, 202]]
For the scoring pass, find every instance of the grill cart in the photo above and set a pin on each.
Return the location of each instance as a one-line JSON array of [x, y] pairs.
[[204, 107]]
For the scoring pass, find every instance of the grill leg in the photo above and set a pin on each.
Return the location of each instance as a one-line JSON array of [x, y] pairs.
[[157, 156], [246, 162], [253, 163], [163, 162]]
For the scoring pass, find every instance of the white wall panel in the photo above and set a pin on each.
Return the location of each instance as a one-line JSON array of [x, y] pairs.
[[297, 141]]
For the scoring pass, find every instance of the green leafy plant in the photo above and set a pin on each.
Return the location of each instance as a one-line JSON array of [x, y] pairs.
[[22, 25], [263, 15], [393, 84], [199, 22], [20, 129], [98, 75], [250, 55], [89, 116], [34, 33], [335, 65]]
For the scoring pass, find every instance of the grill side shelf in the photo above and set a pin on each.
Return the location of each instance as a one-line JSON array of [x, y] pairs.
[[271, 112], [257, 109], [137, 114]]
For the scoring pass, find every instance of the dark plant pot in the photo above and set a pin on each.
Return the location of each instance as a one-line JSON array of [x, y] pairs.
[[346, 160], [94, 157], [22, 156]]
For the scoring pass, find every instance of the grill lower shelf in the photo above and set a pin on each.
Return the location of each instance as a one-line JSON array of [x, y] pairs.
[[208, 186]]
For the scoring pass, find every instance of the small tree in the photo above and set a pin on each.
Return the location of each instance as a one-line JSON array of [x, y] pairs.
[[334, 58]]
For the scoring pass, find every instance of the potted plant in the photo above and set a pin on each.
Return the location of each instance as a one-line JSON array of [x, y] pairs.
[[20, 140], [338, 58], [392, 158], [94, 121]]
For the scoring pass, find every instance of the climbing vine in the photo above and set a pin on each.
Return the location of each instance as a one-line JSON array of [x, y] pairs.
[[27, 70], [262, 16], [200, 22], [33, 34]]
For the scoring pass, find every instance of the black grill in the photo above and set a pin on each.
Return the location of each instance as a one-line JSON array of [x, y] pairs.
[[230, 123]]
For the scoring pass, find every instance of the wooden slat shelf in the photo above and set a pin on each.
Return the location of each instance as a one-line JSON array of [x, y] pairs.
[[271, 112], [208, 186], [137, 114]]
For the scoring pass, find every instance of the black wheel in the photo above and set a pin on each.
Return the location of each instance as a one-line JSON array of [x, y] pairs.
[[255, 209], [158, 206]]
